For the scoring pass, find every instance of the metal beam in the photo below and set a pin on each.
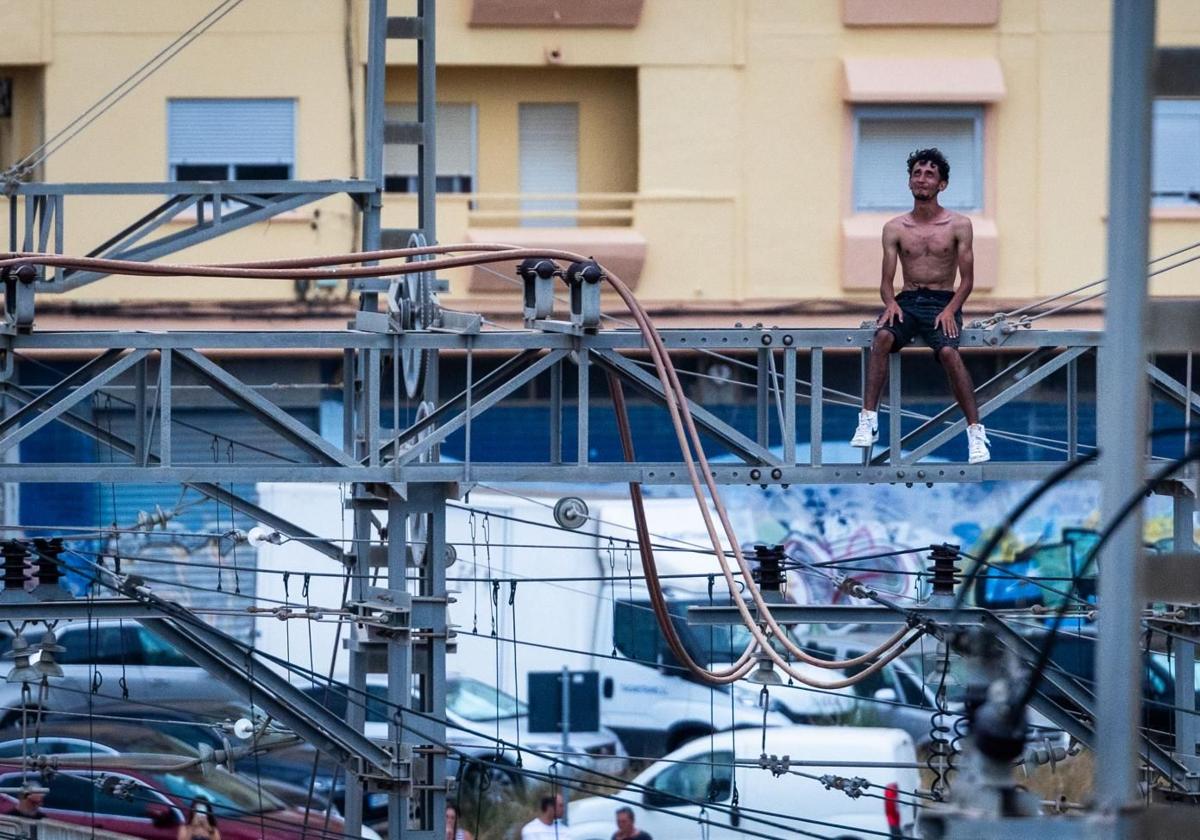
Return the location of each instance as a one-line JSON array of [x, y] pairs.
[[237, 667], [200, 232], [143, 475], [327, 187], [1121, 418]]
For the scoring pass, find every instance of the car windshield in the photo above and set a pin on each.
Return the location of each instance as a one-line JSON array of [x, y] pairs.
[[230, 795], [477, 701]]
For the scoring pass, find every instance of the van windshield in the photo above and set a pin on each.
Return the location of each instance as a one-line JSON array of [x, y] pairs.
[[477, 701]]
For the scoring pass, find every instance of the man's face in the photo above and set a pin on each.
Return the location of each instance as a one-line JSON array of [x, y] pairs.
[[559, 808], [624, 823], [925, 181]]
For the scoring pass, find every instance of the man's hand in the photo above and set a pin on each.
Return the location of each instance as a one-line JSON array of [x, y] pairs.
[[891, 314], [946, 323]]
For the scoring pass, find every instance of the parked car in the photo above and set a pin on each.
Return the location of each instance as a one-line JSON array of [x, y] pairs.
[[286, 772], [152, 804], [474, 707], [107, 660], [689, 793]]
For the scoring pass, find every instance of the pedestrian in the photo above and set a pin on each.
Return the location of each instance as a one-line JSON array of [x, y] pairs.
[[933, 245], [626, 829], [548, 824], [453, 830], [200, 824], [29, 803]]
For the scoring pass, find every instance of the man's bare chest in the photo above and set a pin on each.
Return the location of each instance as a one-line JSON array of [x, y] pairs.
[[916, 243]]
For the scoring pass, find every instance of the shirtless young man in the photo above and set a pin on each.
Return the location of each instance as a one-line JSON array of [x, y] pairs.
[[933, 245]]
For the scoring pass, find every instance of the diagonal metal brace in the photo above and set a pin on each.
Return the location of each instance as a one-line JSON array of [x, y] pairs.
[[1003, 398], [212, 491], [478, 407], [750, 451], [263, 410], [67, 400], [236, 666]]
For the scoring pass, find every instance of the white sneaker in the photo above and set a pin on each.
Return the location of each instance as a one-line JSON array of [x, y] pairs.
[[977, 445], [867, 433]]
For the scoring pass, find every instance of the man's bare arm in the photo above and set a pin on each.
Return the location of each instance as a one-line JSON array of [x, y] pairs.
[[964, 238], [891, 251]]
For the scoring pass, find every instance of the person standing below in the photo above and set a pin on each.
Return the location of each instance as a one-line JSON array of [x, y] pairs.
[[933, 244], [201, 824], [453, 831], [626, 830], [29, 805], [548, 824]]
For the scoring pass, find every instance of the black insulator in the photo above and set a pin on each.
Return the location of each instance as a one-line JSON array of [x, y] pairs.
[[588, 271], [25, 272], [49, 567], [537, 266], [14, 554], [944, 572], [769, 573]]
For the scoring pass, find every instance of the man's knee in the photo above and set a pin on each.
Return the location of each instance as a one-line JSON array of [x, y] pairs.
[[883, 342], [947, 353]]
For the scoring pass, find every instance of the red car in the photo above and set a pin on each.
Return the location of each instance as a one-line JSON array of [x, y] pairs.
[[153, 803]]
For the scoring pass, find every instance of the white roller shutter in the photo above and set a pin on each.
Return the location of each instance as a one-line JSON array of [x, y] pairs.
[[886, 135], [1176, 178], [455, 141], [549, 158], [231, 131]]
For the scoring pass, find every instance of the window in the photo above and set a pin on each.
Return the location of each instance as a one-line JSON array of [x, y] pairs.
[[154, 651], [885, 135], [103, 645], [703, 778], [455, 150], [231, 139], [549, 158], [121, 796], [1176, 157]]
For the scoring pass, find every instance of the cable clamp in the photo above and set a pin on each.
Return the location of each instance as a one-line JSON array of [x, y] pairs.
[[383, 609]]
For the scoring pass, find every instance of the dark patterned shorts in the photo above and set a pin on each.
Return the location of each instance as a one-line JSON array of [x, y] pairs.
[[921, 307]]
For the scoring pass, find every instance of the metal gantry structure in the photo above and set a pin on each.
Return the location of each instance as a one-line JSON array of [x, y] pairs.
[[399, 486]]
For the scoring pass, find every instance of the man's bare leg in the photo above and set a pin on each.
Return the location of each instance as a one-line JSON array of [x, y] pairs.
[[960, 383], [877, 369], [867, 433]]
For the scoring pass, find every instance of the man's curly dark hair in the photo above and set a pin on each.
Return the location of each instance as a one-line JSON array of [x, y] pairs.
[[931, 155]]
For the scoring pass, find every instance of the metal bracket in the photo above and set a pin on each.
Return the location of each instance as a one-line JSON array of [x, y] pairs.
[[400, 778], [583, 282], [387, 610]]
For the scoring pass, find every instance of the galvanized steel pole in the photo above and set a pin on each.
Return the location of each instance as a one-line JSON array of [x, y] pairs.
[[1122, 383]]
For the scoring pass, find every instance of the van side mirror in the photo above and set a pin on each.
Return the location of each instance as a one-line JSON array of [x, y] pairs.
[[886, 695], [608, 688]]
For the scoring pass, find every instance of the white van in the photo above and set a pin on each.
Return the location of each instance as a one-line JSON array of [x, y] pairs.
[[690, 793], [594, 615]]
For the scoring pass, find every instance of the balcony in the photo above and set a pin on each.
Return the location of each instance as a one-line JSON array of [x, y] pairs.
[[669, 245]]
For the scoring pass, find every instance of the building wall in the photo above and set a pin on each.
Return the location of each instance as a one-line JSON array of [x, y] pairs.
[[724, 135]]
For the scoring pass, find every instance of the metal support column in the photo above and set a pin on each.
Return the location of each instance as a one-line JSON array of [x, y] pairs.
[[427, 114], [1183, 530], [1122, 383], [372, 203], [399, 652]]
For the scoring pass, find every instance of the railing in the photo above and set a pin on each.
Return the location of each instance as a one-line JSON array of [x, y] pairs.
[[495, 209]]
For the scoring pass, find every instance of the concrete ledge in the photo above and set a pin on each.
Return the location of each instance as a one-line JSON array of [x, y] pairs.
[[620, 14]]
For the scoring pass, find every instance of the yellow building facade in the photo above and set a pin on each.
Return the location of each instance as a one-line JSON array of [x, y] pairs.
[[732, 156]]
